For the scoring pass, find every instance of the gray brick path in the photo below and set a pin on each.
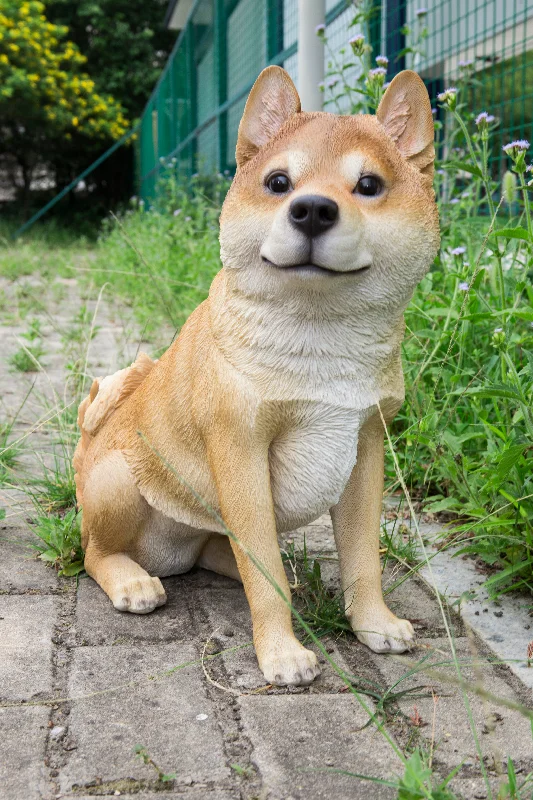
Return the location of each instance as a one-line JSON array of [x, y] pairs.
[[82, 684]]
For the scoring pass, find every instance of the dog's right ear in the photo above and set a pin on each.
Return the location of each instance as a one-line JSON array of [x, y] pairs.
[[272, 101]]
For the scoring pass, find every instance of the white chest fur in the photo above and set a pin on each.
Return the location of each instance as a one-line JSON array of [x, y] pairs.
[[322, 363], [310, 463]]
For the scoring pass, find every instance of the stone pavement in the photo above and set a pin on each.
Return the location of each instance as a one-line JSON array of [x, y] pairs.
[[81, 685], [121, 680]]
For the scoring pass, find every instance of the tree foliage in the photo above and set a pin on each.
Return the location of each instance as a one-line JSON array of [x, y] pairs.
[[124, 41], [74, 75]]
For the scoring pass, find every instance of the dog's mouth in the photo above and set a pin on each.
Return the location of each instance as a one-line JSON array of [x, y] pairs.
[[314, 269]]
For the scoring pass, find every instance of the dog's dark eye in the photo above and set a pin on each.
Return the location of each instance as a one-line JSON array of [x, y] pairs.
[[279, 183], [369, 185]]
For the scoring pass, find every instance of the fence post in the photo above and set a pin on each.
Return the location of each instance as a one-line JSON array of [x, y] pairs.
[[221, 63], [395, 16], [310, 53], [191, 89], [274, 28]]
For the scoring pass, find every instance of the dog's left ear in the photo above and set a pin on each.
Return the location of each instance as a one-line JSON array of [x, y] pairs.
[[272, 101], [405, 113]]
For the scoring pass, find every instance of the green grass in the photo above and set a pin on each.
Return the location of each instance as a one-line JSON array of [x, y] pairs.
[[160, 262], [8, 452], [60, 543], [320, 607], [45, 248]]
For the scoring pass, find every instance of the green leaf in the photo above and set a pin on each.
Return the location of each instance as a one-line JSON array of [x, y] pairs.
[[509, 459], [446, 504], [473, 169], [500, 391], [507, 573], [49, 555], [512, 233], [72, 569]]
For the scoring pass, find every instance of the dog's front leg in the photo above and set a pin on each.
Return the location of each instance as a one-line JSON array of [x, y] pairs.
[[356, 524], [242, 476]]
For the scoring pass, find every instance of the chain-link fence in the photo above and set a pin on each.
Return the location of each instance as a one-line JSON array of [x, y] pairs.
[[194, 112]]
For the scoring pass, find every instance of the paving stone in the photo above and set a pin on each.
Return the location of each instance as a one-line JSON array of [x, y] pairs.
[[160, 715], [20, 569], [410, 600], [317, 536], [453, 738], [294, 735], [26, 626], [184, 793], [23, 775], [505, 625], [229, 615], [98, 622]]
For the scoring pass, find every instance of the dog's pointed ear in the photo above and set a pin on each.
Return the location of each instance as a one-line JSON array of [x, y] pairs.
[[405, 113], [272, 101]]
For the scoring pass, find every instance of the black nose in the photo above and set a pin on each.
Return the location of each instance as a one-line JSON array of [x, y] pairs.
[[313, 214]]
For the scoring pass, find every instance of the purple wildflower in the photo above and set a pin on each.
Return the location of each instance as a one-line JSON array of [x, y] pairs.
[[463, 286], [446, 93], [177, 212], [448, 98], [484, 119], [382, 61], [320, 30], [433, 111], [454, 200], [518, 144], [357, 44], [378, 72], [421, 12], [332, 82], [458, 251]]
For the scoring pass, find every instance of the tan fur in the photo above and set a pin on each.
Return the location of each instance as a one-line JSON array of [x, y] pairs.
[[267, 402]]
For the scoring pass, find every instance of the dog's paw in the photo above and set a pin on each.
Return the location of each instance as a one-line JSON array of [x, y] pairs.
[[291, 665], [139, 595], [383, 632]]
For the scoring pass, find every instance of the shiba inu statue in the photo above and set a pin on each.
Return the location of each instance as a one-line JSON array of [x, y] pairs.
[[270, 402]]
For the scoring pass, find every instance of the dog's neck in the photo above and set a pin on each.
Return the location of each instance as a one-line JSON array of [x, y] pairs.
[[308, 346]]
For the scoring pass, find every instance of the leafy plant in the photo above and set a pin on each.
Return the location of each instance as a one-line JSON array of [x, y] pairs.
[[320, 607], [26, 359], [417, 781], [8, 452], [142, 753], [61, 541]]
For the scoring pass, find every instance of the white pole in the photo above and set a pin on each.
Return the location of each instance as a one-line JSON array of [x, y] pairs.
[[310, 53]]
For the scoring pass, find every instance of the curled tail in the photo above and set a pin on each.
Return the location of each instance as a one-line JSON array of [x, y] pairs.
[[106, 395]]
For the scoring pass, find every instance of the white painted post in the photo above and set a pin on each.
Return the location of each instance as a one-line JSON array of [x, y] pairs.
[[310, 53]]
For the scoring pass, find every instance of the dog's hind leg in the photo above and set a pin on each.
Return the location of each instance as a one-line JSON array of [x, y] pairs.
[[114, 516], [217, 556]]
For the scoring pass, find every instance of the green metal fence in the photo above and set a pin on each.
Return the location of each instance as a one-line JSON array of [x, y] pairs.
[[194, 111]]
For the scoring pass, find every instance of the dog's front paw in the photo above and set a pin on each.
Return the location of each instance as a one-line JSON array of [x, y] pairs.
[[383, 632], [139, 595], [289, 665]]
